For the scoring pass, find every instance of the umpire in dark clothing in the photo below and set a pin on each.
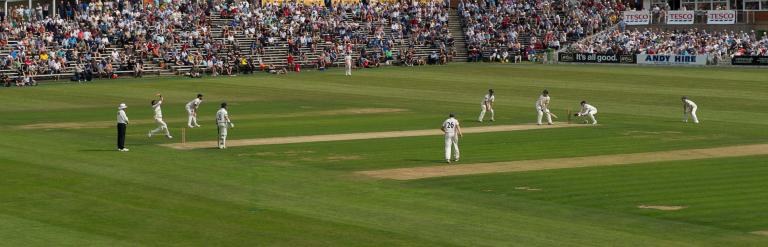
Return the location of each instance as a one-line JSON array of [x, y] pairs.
[[122, 123]]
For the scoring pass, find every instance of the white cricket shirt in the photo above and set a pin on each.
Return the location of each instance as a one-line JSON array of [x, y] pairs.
[[690, 104], [587, 108], [158, 111], [543, 101], [450, 125], [488, 99], [194, 103], [222, 116], [121, 117]]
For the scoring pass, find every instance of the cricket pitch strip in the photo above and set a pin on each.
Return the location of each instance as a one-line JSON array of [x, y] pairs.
[[363, 136], [562, 163]]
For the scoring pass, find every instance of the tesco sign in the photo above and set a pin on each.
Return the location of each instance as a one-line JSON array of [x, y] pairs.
[[680, 17], [721, 17], [637, 17]]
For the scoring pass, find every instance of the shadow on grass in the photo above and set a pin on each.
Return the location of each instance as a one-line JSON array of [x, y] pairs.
[[425, 161], [113, 148], [98, 150]]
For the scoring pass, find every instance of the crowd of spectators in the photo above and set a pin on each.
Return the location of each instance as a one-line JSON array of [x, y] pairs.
[[494, 28], [100, 38], [95, 38], [376, 33], [720, 45]]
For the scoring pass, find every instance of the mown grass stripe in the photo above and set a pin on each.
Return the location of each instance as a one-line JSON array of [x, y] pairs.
[[547, 164], [363, 136]]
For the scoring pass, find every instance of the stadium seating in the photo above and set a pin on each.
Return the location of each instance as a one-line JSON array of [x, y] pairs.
[[718, 44], [181, 36], [525, 26], [102, 39]]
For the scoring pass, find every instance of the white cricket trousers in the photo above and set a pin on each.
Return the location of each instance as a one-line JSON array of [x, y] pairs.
[[161, 126], [541, 113], [348, 68], [192, 121], [482, 113], [222, 135], [692, 111], [451, 139], [591, 116]]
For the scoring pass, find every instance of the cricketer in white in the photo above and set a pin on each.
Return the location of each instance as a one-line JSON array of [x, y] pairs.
[[587, 110], [348, 64], [452, 132], [487, 105], [542, 107], [223, 122], [191, 108], [689, 108], [161, 126]]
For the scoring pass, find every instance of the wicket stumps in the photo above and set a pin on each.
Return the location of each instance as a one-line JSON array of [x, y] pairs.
[[569, 116], [183, 135]]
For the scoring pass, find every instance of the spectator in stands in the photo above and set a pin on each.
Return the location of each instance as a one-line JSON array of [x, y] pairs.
[[195, 71], [138, 68], [227, 67], [28, 80], [79, 73], [275, 70], [6, 80]]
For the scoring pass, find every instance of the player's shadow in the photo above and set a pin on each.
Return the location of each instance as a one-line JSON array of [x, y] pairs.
[[128, 145], [425, 161]]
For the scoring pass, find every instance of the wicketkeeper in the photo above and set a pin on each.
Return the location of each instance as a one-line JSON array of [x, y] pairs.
[[588, 111]]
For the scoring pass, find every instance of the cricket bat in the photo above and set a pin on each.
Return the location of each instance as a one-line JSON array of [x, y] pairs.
[[553, 115]]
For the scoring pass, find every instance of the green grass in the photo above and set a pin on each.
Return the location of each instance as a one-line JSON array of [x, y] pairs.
[[68, 187]]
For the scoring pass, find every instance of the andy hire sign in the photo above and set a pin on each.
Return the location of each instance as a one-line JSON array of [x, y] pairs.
[[672, 59]]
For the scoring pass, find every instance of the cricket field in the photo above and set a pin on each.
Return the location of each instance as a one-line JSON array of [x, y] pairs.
[[320, 159]]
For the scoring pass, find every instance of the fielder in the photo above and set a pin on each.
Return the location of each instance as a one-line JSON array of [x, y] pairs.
[[192, 107], [452, 133], [348, 64], [587, 110], [689, 107], [161, 126], [487, 105], [223, 122], [542, 108]]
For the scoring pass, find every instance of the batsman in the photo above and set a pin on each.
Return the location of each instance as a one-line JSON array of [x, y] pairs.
[[542, 108], [223, 122]]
